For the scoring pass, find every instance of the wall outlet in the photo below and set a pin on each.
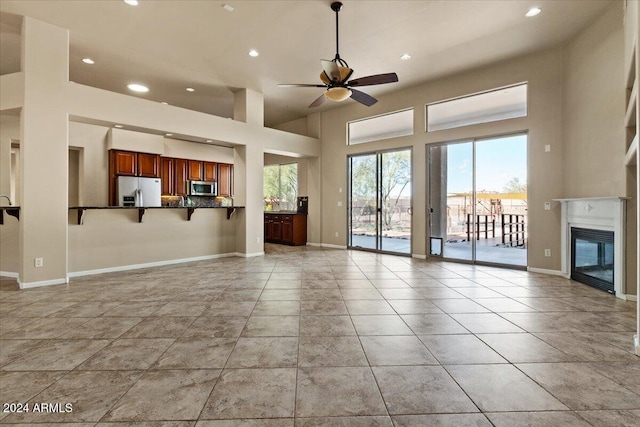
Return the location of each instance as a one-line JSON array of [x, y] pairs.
[[547, 206], [38, 262], [336, 234], [339, 203], [257, 240], [547, 252], [340, 190], [547, 148]]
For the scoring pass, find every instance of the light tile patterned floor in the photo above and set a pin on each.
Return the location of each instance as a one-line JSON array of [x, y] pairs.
[[311, 337]]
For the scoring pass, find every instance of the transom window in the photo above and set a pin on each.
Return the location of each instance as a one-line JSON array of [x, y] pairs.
[[392, 125], [498, 104]]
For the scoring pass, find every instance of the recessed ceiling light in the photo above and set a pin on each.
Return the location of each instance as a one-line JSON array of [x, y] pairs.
[[533, 12], [190, 89], [228, 7], [88, 61], [131, 2], [168, 134], [405, 57], [253, 53], [208, 140], [164, 103], [138, 87], [117, 126]]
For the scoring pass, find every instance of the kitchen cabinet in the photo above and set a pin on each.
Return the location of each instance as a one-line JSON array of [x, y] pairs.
[[225, 179], [210, 171], [194, 170], [285, 228], [123, 162], [181, 177], [167, 175], [129, 163], [148, 165]]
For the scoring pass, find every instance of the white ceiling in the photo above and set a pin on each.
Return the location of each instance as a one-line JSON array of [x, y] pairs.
[[173, 44]]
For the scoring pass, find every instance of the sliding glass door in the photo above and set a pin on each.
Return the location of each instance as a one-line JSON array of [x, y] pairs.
[[478, 200], [380, 201]]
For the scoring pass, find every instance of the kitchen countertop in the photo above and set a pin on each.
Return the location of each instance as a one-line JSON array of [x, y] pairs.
[[142, 209], [283, 212], [154, 207]]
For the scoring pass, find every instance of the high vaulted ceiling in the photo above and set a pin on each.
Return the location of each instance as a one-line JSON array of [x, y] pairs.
[[170, 45]]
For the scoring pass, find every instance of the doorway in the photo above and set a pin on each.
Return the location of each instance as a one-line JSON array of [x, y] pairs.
[[478, 200], [380, 201]]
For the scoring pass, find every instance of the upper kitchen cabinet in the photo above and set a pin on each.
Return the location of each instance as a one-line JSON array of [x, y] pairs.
[[129, 163], [225, 179], [210, 171], [123, 162], [181, 175], [195, 170], [148, 165], [167, 175]]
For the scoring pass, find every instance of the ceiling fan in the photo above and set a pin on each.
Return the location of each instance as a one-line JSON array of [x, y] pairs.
[[335, 77]]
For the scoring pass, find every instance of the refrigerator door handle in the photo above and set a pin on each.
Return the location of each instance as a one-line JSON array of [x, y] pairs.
[[139, 197]]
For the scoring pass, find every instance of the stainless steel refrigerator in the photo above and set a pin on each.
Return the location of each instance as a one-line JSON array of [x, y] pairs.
[[140, 192]]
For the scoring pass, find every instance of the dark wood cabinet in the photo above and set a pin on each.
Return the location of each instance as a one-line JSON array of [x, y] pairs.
[[124, 162], [181, 177], [148, 165], [167, 176], [194, 170], [225, 179], [210, 171], [285, 228]]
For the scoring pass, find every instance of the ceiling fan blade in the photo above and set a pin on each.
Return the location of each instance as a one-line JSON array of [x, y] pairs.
[[300, 85], [363, 98], [377, 79], [318, 102], [331, 69]]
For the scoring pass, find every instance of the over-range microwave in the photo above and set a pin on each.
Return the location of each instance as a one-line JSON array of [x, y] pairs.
[[203, 188]]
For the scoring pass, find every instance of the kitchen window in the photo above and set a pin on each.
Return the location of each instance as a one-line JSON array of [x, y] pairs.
[[280, 187]]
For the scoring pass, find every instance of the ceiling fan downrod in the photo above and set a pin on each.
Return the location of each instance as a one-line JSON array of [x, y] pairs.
[[337, 7]]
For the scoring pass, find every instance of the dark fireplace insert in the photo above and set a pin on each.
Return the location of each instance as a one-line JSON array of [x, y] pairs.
[[592, 258]]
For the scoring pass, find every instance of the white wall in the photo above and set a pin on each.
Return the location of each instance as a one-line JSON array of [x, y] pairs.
[[593, 110]]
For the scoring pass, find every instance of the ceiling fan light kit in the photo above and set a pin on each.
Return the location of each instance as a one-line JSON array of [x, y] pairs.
[[338, 93], [336, 73]]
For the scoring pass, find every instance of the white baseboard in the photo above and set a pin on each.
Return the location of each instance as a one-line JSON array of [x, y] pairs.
[[547, 271], [9, 274], [150, 264], [327, 245], [627, 297], [314, 244], [636, 343], [252, 255], [29, 285], [418, 256]]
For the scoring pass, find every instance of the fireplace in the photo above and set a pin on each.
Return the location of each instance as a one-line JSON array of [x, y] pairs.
[[592, 258], [593, 242]]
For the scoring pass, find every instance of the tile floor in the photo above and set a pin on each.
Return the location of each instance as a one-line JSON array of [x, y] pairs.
[[311, 337]]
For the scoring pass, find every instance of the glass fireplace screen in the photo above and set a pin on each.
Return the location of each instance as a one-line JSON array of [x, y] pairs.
[[592, 257]]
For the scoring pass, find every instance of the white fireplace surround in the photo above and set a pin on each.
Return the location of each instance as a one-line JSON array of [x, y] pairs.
[[596, 213]]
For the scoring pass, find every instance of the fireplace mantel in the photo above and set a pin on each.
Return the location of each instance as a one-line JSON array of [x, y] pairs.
[[597, 213]]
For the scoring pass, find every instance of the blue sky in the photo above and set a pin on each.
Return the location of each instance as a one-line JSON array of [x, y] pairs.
[[498, 161]]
